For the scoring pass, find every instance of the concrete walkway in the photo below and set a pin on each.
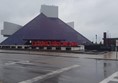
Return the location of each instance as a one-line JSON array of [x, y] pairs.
[[107, 55]]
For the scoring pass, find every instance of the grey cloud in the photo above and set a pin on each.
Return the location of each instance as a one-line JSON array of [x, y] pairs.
[[91, 17]]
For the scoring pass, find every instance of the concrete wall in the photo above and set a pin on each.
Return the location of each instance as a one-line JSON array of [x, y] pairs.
[[79, 48], [49, 11]]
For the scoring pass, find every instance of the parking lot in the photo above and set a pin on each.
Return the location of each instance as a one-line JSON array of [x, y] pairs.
[[37, 68]]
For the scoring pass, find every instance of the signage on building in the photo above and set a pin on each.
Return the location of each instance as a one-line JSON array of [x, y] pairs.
[[116, 42], [54, 43]]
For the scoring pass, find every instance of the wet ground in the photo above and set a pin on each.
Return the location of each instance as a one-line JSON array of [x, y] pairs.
[[35, 67]]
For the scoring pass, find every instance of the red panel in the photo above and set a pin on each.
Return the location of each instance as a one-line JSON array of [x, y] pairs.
[[54, 43]]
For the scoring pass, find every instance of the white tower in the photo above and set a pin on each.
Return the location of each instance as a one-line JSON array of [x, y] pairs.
[[9, 29], [49, 11]]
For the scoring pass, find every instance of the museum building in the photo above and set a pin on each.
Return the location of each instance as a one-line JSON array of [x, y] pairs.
[[45, 32]]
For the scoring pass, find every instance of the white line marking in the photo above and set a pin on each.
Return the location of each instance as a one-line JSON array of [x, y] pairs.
[[12, 63], [111, 78], [49, 74], [116, 80]]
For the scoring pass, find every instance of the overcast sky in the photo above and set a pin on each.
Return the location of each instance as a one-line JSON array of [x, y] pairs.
[[91, 17]]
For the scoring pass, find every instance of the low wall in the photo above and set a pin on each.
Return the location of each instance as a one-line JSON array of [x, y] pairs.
[[23, 47]]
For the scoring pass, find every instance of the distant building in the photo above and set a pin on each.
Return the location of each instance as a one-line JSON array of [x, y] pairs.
[[109, 41], [45, 30]]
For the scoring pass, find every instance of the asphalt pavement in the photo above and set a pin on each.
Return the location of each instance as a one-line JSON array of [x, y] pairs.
[[28, 67]]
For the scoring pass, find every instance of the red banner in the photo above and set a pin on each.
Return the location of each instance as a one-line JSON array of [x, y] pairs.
[[54, 43]]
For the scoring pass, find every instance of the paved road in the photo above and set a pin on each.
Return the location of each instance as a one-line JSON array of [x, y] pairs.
[[29, 68]]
